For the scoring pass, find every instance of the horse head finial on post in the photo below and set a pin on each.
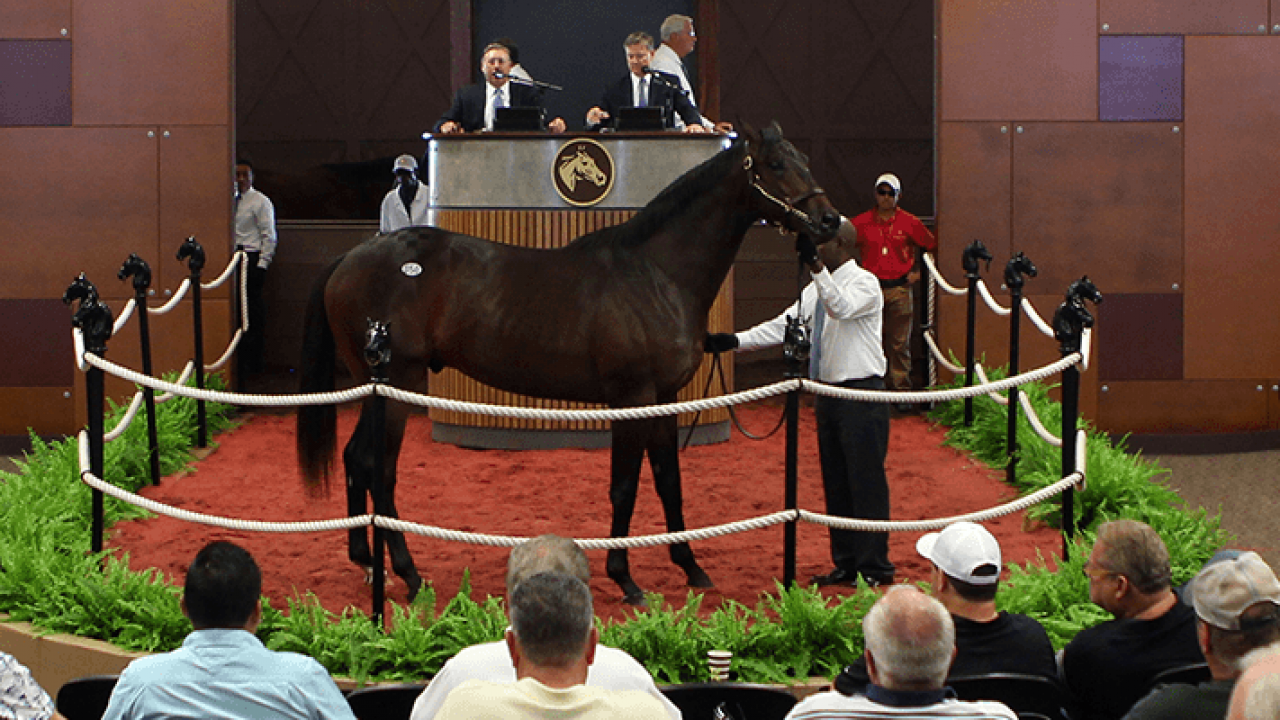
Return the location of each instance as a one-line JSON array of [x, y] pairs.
[[1015, 270], [138, 269], [377, 348], [92, 316], [193, 253], [974, 252], [1072, 316]]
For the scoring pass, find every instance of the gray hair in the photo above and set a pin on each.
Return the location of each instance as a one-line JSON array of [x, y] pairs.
[[673, 24], [1134, 550], [552, 617], [911, 638], [638, 37], [546, 553]]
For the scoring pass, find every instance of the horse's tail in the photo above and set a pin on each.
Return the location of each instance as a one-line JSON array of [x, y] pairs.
[[317, 424]]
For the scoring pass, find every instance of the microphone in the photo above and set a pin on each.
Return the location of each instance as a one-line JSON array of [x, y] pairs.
[[524, 81], [657, 77]]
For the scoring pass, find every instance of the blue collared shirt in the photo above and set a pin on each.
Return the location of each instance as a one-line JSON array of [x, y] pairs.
[[226, 673]]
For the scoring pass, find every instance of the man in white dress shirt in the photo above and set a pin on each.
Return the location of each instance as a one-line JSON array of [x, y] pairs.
[[407, 203], [678, 40], [842, 308]]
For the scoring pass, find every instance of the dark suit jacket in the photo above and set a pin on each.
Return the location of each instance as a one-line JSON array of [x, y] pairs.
[[468, 105], [619, 95]]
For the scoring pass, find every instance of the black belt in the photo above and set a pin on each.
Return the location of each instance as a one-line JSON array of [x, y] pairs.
[[874, 382], [899, 282]]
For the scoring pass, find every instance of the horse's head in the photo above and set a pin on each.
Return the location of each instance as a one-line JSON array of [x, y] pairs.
[[974, 252], [790, 197], [193, 253], [138, 269], [80, 289], [1018, 266]]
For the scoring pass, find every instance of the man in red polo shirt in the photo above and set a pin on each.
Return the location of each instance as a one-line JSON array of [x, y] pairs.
[[888, 237]]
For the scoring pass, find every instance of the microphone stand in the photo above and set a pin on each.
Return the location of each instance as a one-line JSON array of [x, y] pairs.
[[531, 83]]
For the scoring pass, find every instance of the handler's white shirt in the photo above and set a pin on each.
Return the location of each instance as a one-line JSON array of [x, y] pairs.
[[394, 216], [852, 300], [613, 669]]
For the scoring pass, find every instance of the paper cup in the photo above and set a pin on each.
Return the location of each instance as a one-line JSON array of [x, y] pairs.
[[718, 661]]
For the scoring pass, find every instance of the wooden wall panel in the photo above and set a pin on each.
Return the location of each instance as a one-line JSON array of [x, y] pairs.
[[47, 410], [975, 171], [1182, 17], [1028, 60], [89, 226], [35, 19], [1100, 199], [1146, 337], [35, 82], [195, 199], [152, 62], [1206, 406], [1232, 330], [42, 329]]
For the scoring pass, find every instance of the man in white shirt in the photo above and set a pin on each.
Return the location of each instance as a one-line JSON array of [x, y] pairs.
[[408, 202], [842, 309], [255, 232], [612, 668], [678, 40]]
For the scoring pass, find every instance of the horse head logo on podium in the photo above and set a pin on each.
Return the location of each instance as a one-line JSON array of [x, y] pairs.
[[582, 172]]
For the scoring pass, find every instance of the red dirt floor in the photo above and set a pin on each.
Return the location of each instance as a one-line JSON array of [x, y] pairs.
[[253, 475]]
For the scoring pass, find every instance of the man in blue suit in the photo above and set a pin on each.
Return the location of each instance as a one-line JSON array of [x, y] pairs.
[[474, 106], [643, 86]]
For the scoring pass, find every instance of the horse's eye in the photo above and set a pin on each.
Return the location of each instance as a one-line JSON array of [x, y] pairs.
[[777, 165]]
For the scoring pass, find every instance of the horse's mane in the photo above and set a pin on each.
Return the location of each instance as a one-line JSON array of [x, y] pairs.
[[670, 202]]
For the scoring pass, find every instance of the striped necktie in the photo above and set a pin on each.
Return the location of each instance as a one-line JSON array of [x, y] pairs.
[[815, 346], [643, 97]]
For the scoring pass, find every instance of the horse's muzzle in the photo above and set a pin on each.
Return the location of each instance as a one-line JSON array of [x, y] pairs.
[[826, 226]]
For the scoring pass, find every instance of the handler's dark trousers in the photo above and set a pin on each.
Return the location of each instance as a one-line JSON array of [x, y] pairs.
[[853, 440]]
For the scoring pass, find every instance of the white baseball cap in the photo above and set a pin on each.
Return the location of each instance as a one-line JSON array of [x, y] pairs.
[[889, 179], [964, 551], [405, 162], [1224, 590]]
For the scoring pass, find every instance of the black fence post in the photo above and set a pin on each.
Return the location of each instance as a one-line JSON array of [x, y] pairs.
[[1017, 266], [140, 271], [974, 252], [193, 253], [93, 317], [1069, 322], [377, 353], [795, 348]]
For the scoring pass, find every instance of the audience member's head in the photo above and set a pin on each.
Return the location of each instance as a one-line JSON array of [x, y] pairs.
[[552, 620], [967, 558], [910, 640], [546, 553], [1128, 569], [1238, 603], [1256, 695], [222, 588]]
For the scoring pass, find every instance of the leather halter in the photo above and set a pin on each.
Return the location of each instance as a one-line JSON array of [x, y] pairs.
[[788, 205]]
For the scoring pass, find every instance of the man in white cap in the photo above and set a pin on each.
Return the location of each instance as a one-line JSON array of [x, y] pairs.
[[966, 572], [407, 203], [889, 236], [1237, 603]]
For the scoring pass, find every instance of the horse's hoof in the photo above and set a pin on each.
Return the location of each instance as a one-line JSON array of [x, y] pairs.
[[368, 574], [415, 584], [636, 600], [699, 579]]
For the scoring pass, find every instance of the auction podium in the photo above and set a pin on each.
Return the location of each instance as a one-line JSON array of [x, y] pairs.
[[542, 191]]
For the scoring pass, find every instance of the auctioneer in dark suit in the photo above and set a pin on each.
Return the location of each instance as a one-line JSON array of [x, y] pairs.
[[468, 104], [661, 94]]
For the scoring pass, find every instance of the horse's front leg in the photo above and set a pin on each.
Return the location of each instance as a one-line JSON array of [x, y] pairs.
[[664, 459], [629, 438]]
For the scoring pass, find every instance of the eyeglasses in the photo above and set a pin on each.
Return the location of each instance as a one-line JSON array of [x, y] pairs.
[[1096, 573], [890, 192]]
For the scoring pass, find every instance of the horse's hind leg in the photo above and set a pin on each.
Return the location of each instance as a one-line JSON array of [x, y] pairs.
[[629, 438], [664, 459], [401, 560], [358, 471]]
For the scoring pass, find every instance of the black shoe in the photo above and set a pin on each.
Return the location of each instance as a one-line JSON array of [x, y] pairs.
[[878, 580], [839, 576], [904, 409]]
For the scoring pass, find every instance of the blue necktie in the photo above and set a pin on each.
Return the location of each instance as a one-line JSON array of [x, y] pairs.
[[643, 100], [815, 345]]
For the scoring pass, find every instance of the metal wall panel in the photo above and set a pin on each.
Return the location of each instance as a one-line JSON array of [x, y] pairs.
[[195, 200], [35, 82], [1140, 337], [45, 409], [1204, 406], [152, 62], [1232, 329], [35, 19], [1100, 199], [975, 172], [1029, 59], [1182, 17], [1140, 78], [75, 199], [41, 328]]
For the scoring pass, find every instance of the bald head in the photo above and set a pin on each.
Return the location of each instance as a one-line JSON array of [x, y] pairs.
[[910, 640]]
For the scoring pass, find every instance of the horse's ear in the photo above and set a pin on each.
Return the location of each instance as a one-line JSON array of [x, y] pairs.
[[774, 126], [749, 132]]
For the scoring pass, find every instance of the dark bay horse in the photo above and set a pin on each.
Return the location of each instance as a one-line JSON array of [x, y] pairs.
[[617, 317]]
